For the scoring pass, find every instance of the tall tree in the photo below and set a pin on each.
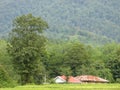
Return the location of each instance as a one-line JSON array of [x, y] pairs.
[[76, 56], [111, 57], [114, 65], [27, 46]]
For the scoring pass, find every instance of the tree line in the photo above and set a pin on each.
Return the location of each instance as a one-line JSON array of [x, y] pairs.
[[28, 57]]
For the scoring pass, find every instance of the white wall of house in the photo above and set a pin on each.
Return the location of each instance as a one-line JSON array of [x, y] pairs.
[[59, 80]]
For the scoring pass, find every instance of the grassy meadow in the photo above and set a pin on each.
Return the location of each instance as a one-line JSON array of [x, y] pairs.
[[67, 87]]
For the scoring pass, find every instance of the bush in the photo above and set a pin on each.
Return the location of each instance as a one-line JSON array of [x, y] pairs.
[[51, 81], [118, 80], [5, 80]]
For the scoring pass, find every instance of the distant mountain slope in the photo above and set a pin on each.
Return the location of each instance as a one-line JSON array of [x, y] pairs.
[[90, 21]]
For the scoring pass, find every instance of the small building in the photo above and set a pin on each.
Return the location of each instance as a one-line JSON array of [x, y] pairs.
[[60, 79], [91, 79], [72, 79]]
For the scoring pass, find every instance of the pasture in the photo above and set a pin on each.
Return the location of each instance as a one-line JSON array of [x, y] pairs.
[[67, 87]]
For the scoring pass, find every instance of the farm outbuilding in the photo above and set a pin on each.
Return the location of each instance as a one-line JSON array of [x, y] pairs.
[[80, 79], [91, 79]]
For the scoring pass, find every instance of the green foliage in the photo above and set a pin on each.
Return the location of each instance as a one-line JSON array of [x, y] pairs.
[[93, 22], [27, 46], [54, 62], [5, 80], [4, 57], [6, 69], [118, 80], [115, 66], [70, 58], [100, 70], [97, 65], [111, 56], [75, 56]]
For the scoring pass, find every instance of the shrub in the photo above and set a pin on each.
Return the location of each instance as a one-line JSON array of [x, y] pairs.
[[5, 80], [118, 80]]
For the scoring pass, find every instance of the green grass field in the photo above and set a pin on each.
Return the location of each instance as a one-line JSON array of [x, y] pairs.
[[67, 87]]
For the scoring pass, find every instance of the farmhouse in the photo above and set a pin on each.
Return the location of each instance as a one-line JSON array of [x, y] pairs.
[[91, 79], [80, 79], [63, 79], [60, 79]]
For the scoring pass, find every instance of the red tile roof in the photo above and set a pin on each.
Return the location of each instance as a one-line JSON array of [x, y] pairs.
[[73, 80], [90, 78], [63, 77]]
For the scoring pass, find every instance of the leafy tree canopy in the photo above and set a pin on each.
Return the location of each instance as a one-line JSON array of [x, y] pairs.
[[27, 46]]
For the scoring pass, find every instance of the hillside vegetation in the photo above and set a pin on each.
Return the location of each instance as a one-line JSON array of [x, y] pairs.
[[27, 57], [90, 21]]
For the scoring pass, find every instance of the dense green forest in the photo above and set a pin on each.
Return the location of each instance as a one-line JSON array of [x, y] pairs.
[[70, 58], [27, 56], [89, 21], [59, 37]]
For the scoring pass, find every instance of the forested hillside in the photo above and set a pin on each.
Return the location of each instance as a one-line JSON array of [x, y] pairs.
[[49, 38], [90, 21]]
